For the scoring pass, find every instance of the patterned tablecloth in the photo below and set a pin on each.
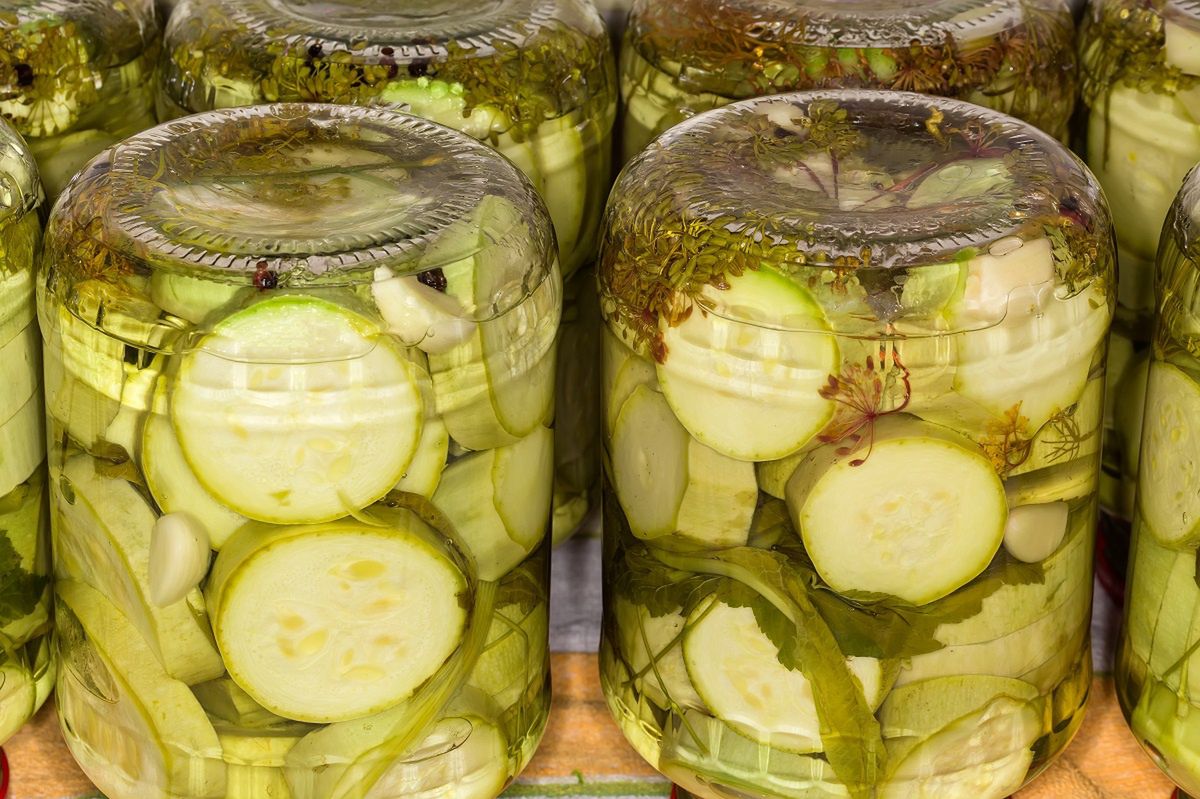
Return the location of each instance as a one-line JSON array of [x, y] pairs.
[[583, 754]]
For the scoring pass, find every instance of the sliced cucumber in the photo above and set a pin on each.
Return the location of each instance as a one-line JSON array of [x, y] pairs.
[[1034, 532], [193, 298], [917, 516], [132, 728], [747, 388], [1163, 597], [173, 484], [102, 537], [22, 444], [653, 649], [499, 501], [669, 483], [1038, 359], [297, 410], [335, 621], [1167, 494], [701, 754], [736, 671]]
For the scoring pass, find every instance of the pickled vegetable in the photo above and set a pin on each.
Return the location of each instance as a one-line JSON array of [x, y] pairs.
[[1158, 672], [681, 59], [301, 510], [853, 406], [76, 78], [26, 665], [1139, 88]]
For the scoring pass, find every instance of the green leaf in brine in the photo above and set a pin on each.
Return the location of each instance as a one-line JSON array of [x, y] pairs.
[[849, 731], [20, 590]]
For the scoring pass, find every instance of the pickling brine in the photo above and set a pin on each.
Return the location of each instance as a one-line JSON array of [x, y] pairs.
[[76, 77], [532, 78], [1158, 691], [26, 660], [854, 371], [300, 379], [1141, 89], [682, 58]]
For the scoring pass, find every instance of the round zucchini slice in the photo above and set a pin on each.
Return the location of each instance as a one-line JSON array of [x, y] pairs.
[[331, 622], [743, 387], [297, 410], [917, 515]]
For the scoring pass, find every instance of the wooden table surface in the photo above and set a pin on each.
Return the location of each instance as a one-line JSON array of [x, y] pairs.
[[584, 755]]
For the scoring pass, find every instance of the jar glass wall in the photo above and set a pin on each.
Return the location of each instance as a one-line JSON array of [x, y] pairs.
[[26, 662], [533, 78], [680, 59], [853, 378], [1158, 691], [300, 378], [1140, 86], [75, 77]]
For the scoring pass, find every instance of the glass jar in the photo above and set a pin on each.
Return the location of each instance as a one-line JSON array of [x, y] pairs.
[[76, 76], [26, 662], [318, 340], [1141, 88], [533, 78], [1158, 692], [853, 377], [686, 57]]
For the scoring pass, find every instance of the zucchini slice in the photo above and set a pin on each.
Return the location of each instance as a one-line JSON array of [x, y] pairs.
[[133, 729], [668, 483], [336, 621], [1170, 472], [500, 501], [173, 484], [746, 388], [736, 671], [297, 410], [948, 735], [916, 516], [700, 753], [1038, 358], [103, 530]]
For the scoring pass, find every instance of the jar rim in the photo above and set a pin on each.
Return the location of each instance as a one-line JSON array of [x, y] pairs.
[[186, 196]]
